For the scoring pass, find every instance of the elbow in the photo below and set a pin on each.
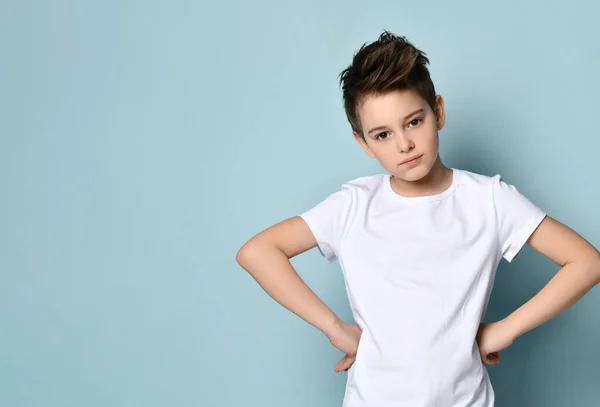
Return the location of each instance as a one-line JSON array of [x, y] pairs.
[[242, 255], [592, 263], [253, 255], [247, 253], [596, 265]]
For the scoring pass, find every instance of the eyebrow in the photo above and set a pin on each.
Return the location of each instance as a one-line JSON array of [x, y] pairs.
[[405, 117]]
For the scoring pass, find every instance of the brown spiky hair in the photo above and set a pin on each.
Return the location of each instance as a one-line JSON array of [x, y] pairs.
[[387, 64]]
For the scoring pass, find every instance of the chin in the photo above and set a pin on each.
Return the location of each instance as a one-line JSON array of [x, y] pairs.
[[413, 174]]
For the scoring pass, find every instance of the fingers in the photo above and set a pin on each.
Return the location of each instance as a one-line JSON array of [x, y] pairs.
[[344, 364], [491, 359]]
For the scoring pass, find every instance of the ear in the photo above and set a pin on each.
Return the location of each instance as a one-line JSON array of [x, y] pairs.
[[440, 113], [363, 144]]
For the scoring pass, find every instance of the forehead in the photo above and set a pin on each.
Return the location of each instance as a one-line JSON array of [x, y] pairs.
[[393, 105]]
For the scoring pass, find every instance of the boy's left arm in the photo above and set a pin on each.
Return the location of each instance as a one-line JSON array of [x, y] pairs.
[[580, 272]]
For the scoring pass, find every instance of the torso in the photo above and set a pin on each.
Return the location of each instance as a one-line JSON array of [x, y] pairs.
[[418, 274]]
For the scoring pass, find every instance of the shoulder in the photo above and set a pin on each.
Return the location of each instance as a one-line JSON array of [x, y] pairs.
[[495, 187], [352, 193], [367, 183], [475, 182], [470, 178], [356, 192], [363, 187]]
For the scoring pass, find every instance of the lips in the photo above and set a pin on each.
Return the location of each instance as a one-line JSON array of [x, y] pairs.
[[416, 157]]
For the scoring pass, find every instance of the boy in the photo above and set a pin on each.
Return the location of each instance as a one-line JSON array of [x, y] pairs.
[[419, 248]]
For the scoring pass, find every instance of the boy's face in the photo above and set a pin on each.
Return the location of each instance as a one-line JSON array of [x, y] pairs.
[[400, 125]]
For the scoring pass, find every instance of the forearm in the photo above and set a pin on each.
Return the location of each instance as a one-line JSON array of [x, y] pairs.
[[568, 285], [272, 269]]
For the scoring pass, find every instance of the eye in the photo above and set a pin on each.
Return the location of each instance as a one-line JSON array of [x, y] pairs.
[[415, 122], [378, 137]]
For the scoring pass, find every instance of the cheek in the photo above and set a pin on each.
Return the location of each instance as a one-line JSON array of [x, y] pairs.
[[384, 155], [383, 151], [430, 138]]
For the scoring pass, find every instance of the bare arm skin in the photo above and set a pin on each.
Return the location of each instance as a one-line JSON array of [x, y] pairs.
[[266, 257], [580, 272]]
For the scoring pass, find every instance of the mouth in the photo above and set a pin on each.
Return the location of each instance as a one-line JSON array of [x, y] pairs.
[[411, 160]]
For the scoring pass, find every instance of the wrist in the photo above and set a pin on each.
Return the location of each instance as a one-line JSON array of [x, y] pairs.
[[512, 327], [334, 327]]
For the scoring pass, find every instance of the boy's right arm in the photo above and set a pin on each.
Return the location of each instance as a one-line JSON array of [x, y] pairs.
[[266, 256]]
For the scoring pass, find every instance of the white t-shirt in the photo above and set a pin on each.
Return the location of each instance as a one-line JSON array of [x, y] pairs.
[[418, 274]]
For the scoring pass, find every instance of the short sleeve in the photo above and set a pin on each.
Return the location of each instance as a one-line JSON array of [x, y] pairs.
[[328, 221], [516, 216]]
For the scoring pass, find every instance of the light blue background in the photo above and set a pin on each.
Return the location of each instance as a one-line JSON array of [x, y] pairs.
[[142, 143]]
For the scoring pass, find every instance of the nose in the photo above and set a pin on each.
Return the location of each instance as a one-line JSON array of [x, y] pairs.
[[404, 143]]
